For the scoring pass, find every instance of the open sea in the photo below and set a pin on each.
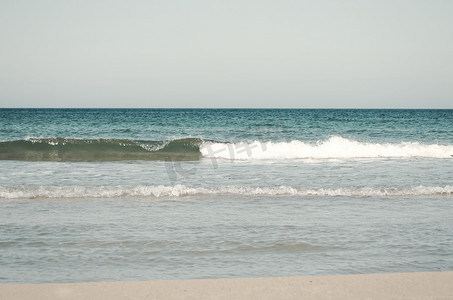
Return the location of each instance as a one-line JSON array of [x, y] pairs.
[[144, 194]]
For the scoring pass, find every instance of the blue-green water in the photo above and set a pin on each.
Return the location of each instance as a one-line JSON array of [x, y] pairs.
[[137, 194], [230, 125]]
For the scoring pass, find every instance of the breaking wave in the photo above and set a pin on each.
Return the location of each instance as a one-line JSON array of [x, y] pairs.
[[189, 149], [177, 191], [335, 147]]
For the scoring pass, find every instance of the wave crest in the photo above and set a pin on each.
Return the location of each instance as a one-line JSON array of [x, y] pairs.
[[69, 149]]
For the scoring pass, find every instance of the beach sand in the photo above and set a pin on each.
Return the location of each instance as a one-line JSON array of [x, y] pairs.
[[428, 285]]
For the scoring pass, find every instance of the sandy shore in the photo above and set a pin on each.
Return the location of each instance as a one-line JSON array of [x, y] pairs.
[[432, 285]]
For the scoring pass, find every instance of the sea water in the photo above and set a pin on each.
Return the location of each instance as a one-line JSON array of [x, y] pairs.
[[142, 194]]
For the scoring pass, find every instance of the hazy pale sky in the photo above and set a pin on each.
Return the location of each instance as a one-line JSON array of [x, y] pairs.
[[247, 53]]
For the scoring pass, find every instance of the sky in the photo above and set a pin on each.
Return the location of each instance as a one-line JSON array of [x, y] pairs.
[[225, 54]]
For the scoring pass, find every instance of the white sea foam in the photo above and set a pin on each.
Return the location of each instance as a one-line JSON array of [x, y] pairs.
[[176, 191], [335, 147]]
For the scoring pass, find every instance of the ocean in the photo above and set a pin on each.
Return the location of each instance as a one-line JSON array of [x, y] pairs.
[[144, 194]]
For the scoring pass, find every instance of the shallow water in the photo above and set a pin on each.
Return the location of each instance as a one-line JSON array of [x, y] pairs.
[[222, 236]]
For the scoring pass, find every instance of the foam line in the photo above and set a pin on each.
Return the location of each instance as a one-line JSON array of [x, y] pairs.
[[178, 191]]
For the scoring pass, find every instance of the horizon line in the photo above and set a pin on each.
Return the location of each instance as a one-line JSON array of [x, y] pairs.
[[237, 108]]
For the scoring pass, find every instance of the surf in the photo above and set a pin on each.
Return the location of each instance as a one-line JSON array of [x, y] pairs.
[[181, 191], [334, 147], [194, 149]]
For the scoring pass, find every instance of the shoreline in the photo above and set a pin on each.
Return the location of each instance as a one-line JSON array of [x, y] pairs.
[[417, 285]]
